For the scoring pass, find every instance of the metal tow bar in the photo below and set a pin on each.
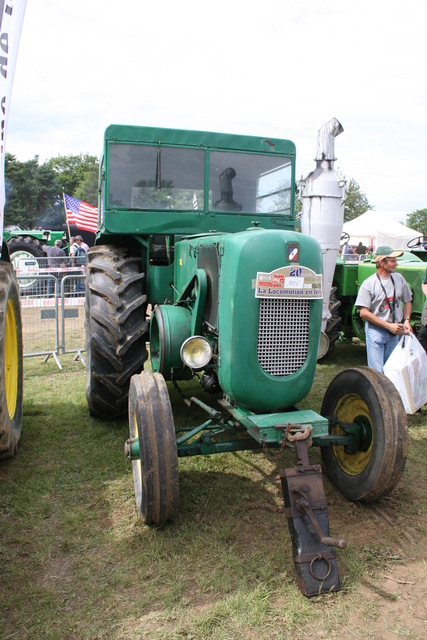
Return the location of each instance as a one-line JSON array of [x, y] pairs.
[[307, 514]]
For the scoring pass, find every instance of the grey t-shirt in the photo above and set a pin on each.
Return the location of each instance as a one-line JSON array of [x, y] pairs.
[[54, 253], [371, 295]]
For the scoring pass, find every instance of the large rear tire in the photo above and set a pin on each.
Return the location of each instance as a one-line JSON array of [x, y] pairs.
[[11, 362], [332, 326], [334, 322], [115, 328], [25, 245], [23, 250], [362, 395], [358, 324], [155, 474]]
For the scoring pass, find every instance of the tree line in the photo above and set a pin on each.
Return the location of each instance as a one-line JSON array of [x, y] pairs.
[[34, 191]]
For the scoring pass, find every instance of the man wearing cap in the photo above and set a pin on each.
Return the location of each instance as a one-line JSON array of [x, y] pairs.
[[380, 300]]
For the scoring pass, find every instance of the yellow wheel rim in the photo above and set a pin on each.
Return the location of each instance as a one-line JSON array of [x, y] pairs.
[[351, 408], [11, 360]]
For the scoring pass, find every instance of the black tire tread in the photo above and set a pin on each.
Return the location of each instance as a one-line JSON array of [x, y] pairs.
[[157, 494], [115, 322], [26, 243], [32, 246], [334, 322], [401, 434], [390, 423]]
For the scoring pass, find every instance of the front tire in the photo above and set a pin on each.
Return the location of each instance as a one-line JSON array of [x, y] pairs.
[[11, 363], [155, 474], [115, 328], [364, 396]]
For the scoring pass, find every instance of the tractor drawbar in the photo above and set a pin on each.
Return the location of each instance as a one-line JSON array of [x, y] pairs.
[[307, 514]]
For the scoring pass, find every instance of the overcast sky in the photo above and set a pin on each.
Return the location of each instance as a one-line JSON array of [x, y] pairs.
[[274, 68]]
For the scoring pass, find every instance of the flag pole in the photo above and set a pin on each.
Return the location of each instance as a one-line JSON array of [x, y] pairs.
[[66, 218]]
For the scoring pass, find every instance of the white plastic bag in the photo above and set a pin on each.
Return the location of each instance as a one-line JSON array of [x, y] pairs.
[[407, 369]]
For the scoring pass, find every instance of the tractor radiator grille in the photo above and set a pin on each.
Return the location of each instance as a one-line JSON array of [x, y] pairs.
[[283, 335]]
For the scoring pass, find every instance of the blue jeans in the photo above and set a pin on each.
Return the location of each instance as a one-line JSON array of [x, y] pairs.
[[379, 345]]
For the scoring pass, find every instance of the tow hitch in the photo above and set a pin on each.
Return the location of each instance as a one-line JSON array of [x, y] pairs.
[[307, 514]]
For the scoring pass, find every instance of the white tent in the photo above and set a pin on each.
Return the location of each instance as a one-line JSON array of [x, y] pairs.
[[377, 229]]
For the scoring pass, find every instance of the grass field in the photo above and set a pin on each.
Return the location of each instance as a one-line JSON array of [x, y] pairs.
[[76, 561]]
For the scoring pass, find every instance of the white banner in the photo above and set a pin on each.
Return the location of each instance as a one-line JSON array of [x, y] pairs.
[[12, 16]]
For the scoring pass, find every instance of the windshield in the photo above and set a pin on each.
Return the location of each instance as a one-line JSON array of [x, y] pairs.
[[250, 183], [143, 177], [151, 177]]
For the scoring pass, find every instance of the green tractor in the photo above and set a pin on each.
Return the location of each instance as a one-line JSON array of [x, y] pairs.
[[26, 244], [198, 256], [27, 255]]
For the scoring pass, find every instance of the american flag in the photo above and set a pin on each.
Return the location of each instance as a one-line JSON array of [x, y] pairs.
[[80, 213]]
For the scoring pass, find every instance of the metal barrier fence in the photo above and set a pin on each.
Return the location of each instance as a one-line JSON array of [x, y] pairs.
[[52, 297]]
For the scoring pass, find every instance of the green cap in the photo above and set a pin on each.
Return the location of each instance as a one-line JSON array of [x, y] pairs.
[[386, 252]]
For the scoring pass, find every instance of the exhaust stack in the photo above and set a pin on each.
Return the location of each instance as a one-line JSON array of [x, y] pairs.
[[322, 195]]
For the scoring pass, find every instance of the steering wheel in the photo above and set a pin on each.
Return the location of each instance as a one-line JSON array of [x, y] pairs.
[[416, 242], [345, 237]]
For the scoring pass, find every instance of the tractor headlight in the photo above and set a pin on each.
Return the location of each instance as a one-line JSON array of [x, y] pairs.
[[196, 352]]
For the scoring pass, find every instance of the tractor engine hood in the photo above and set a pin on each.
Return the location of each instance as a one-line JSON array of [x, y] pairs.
[[268, 323]]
